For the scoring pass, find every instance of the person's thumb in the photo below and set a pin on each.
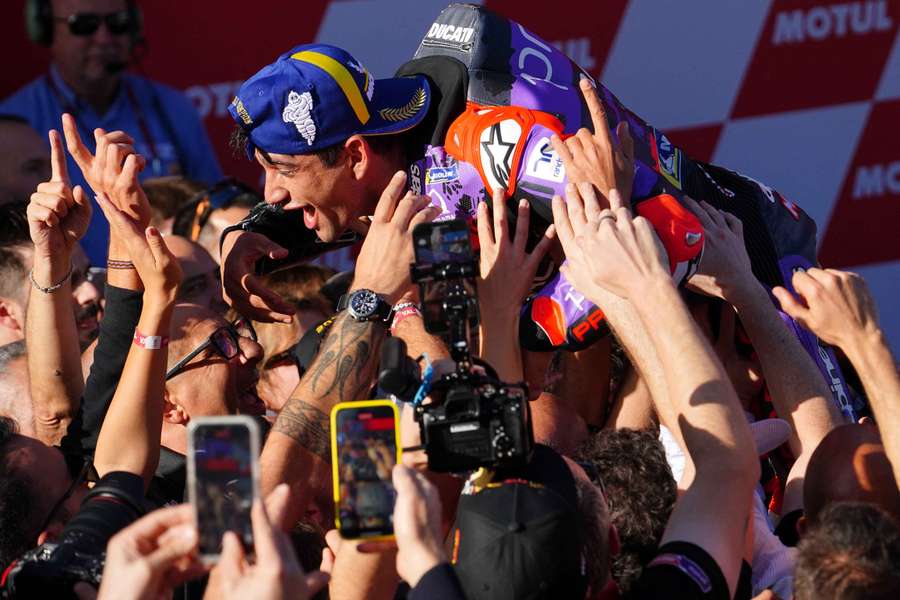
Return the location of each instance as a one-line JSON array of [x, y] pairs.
[[316, 581], [789, 303], [158, 248], [179, 541]]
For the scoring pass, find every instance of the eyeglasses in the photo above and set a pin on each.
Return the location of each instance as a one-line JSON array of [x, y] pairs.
[[224, 341], [192, 217], [85, 24], [83, 471]]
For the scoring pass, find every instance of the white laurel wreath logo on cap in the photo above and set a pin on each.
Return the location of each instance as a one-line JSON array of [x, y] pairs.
[[299, 112]]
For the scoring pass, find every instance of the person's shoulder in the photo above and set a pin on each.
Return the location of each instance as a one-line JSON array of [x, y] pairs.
[[23, 101], [167, 94], [685, 570]]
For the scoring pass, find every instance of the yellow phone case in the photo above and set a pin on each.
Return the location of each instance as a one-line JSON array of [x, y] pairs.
[[335, 466]]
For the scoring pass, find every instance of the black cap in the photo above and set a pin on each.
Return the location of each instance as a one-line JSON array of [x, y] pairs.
[[518, 537]]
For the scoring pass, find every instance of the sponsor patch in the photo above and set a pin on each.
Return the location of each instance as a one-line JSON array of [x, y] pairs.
[[544, 163], [450, 36], [299, 112], [686, 566], [242, 111], [668, 159], [415, 178], [442, 174]]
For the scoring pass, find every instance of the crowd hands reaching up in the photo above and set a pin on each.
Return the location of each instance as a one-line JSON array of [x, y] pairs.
[[663, 451]]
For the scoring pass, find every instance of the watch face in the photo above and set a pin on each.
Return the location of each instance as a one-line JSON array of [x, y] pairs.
[[363, 304]]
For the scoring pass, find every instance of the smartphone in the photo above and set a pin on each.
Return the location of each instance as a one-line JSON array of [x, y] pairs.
[[364, 449], [223, 479], [442, 243]]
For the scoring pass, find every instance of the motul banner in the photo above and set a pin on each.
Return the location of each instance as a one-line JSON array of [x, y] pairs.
[[803, 95]]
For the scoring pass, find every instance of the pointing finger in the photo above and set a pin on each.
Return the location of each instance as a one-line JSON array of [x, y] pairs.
[[58, 169], [76, 147], [598, 113], [389, 198]]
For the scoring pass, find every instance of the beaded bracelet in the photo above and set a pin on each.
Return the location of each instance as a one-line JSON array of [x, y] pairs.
[[112, 263], [52, 288]]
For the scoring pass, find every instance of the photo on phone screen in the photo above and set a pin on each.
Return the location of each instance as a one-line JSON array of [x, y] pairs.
[[435, 243], [364, 452], [222, 479]]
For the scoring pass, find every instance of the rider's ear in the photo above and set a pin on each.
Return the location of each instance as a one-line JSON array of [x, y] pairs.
[[358, 155]]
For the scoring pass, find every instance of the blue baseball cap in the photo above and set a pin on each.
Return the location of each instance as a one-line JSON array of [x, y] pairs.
[[316, 95]]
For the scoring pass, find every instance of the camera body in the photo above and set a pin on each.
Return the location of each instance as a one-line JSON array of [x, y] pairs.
[[475, 420], [481, 423]]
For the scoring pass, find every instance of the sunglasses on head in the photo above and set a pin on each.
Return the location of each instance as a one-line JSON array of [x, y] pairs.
[[192, 217], [85, 24], [224, 341]]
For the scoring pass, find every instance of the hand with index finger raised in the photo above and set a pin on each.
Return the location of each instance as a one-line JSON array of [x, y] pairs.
[[57, 216], [595, 159]]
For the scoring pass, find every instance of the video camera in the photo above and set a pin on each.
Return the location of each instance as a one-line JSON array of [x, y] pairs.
[[475, 420], [52, 569]]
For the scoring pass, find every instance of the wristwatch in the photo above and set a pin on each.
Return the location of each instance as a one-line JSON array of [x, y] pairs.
[[365, 305]]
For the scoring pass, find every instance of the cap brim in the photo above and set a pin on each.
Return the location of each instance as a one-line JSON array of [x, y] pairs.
[[399, 103]]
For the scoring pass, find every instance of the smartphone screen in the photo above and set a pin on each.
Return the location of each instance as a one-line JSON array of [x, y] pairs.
[[222, 479], [441, 243], [364, 438]]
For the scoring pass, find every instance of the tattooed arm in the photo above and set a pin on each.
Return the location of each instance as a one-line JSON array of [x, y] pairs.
[[298, 449]]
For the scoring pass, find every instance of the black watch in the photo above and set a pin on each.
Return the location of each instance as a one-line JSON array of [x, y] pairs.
[[365, 305]]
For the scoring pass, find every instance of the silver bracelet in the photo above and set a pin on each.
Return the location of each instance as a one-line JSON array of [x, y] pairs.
[[52, 288]]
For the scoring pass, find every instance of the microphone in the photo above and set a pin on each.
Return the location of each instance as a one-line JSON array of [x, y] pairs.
[[116, 67]]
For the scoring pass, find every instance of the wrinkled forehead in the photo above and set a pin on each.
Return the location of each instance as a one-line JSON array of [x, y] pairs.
[[64, 8]]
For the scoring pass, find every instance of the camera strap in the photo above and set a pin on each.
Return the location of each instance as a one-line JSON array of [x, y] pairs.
[[427, 381]]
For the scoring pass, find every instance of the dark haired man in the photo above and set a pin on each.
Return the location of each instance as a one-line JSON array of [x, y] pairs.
[[91, 44], [16, 257], [24, 161], [853, 553]]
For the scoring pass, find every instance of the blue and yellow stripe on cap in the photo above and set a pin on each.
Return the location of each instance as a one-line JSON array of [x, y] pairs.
[[341, 76]]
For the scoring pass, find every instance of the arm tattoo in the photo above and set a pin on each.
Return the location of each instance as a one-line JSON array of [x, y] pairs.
[[344, 370], [343, 364], [308, 425]]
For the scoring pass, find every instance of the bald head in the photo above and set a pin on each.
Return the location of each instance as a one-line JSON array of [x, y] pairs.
[[850, 465], [200, 284], [191, 324], [24, 160], [15, 396]]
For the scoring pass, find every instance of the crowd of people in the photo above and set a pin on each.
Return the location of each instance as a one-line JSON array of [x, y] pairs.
[[694, 452]]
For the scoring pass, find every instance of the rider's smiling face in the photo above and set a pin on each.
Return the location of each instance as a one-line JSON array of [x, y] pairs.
[[328, 195]]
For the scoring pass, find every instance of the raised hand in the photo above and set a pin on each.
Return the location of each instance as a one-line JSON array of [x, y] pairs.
[[387, 252], [276, 575], [835, 305], [103, 169], [241, 287], [507, 270], [417, 526], [155, 264], [58, 217], [725, 270], [612, 250], [151, 556], [594, 159]]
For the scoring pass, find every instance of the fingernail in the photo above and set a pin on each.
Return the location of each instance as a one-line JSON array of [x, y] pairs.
[[523, 203]]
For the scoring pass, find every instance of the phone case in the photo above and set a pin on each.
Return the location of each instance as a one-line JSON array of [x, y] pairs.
[[229, 420], [335, 466]]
